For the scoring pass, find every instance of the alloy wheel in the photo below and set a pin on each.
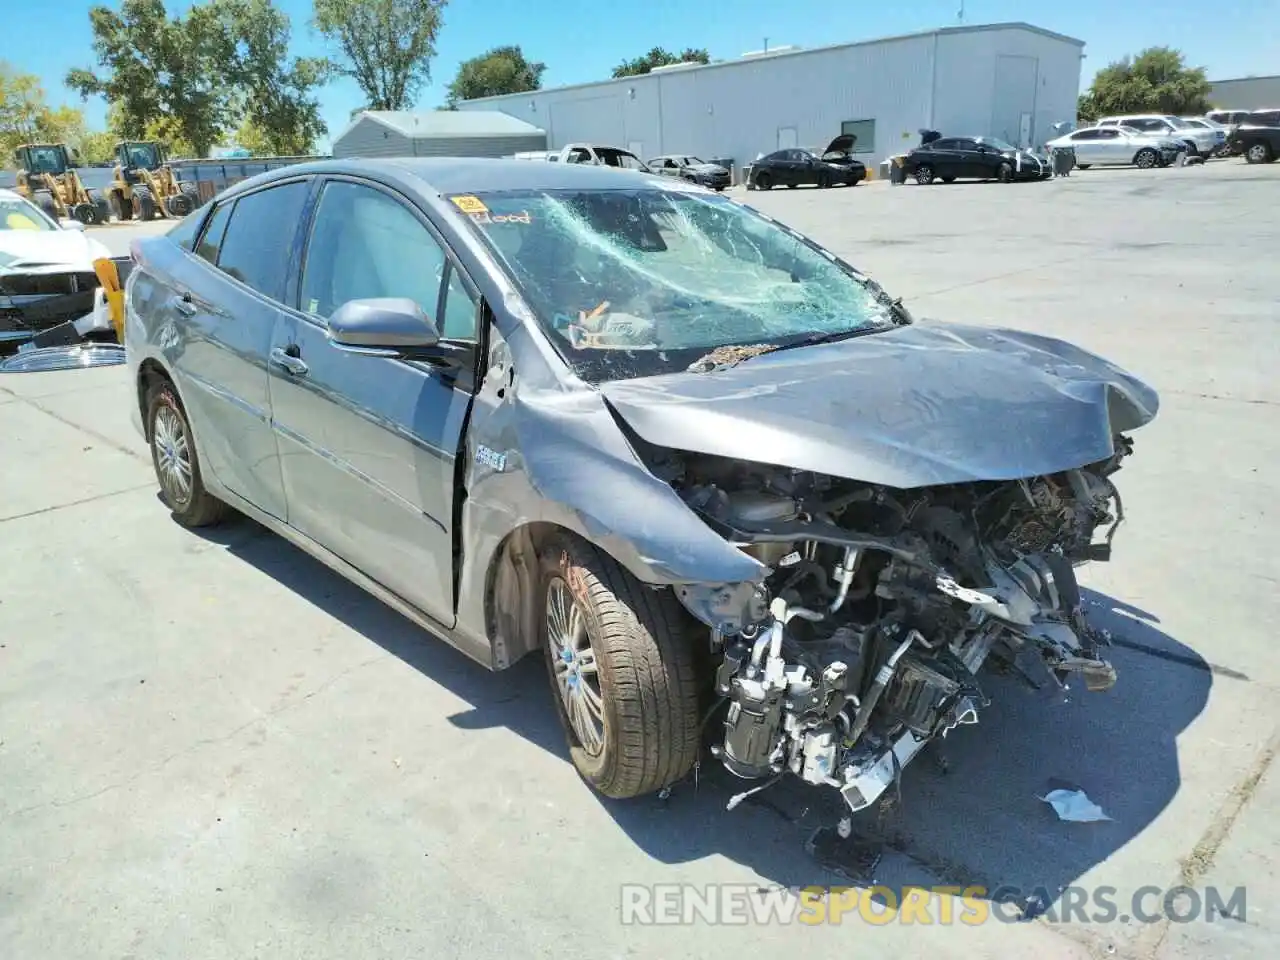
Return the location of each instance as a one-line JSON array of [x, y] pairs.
[[574, 665], [173, 455], [1257, 153]]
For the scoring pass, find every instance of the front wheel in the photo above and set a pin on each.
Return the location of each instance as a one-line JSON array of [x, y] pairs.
[[764, 181], [1005, 173], [1083, 166], [1146, 159], [1258, 153], [173, 454], [622, 667], [924, 175]]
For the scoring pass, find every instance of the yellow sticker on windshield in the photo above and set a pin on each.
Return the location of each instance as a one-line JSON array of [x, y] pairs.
[[469, 204], [20, 221]]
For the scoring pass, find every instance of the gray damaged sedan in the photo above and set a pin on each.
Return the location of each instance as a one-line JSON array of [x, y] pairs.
[[719, 479]]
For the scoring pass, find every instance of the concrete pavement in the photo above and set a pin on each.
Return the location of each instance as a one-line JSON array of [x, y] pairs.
[[212, 747]]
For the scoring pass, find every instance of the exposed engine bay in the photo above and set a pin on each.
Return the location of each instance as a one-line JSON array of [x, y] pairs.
[[882, 606]]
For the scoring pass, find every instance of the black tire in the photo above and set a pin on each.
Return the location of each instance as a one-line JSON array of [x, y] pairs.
[[948, 179], [646, 681], [1083, 166], [792, 186], [44, 200], [119, 209], [1146, 158], [1258, 152], [764, 181], [101, 206], [144, 204], [924, 174], [823, 181], [171, 439], [1005, 173]]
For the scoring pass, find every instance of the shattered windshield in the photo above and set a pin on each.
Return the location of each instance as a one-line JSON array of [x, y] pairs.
[[631, 283]]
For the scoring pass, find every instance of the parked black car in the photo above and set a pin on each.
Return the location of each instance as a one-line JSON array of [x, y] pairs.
[[690, 168], [796, 166], [974, 158], [840, 152], [1257, 137]]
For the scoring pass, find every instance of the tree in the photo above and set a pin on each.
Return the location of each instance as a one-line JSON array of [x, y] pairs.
[[193, 76], [156, 66], [273, 91], [498, 71], [1157, 80], [658, 57], [386, 46], [98, 147], [26, 117]]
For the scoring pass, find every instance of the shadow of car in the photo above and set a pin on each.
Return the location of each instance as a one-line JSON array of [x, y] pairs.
[[968, 814]]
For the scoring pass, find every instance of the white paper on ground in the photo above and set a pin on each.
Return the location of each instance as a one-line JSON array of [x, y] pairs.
[[1074, 806]]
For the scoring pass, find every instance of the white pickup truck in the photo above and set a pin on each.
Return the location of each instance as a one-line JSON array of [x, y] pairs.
[[587, 153]]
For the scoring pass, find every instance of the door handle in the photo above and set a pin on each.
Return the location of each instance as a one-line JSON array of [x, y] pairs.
[[291, 364], [184, 304]]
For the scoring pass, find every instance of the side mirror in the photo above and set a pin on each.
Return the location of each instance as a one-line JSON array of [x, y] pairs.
[[383, 326]]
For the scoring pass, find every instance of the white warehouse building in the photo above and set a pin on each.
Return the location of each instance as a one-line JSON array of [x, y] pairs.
[[1008, 80]]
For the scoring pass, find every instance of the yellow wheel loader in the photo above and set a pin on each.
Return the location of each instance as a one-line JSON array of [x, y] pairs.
[[47, 177], [144, 186]]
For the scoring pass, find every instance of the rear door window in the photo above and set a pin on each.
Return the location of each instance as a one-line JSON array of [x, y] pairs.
[[211, 240], [258, 241]]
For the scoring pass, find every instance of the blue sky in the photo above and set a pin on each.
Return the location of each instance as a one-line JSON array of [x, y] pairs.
[[582, 40]]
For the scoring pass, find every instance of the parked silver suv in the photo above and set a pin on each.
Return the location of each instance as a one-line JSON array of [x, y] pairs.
[[1199, 140]]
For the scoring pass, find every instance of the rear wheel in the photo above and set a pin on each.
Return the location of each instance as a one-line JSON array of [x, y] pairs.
[[622, 667], [1259, 152], [101, 206], [119, 209], [924, 174], [173, 454], [764, 181], [44, 200], [1083, 166], [144, 204]]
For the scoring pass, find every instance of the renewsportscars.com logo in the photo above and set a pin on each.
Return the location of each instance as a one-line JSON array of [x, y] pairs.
[[750, 904]]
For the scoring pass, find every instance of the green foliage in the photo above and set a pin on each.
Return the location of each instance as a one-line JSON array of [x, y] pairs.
[[658, 57], [195, 75], [1155, 81], [98, 147], [495, 72], [385, 46], [275, 91], [26, 117]]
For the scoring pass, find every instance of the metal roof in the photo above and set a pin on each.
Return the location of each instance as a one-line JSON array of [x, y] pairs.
[[793, 51], [446, 123]]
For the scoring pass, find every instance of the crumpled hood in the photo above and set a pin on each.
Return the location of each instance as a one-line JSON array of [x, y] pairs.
[[65, 248], [913, 406]]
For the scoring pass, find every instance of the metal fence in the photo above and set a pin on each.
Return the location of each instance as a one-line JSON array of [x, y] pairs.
[[210, 176]]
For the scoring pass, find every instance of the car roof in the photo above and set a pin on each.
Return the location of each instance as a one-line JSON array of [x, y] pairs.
[[450, 175]]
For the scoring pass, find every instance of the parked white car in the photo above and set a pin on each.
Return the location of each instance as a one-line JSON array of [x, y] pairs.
[[1118, 146], [1200, 141]]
